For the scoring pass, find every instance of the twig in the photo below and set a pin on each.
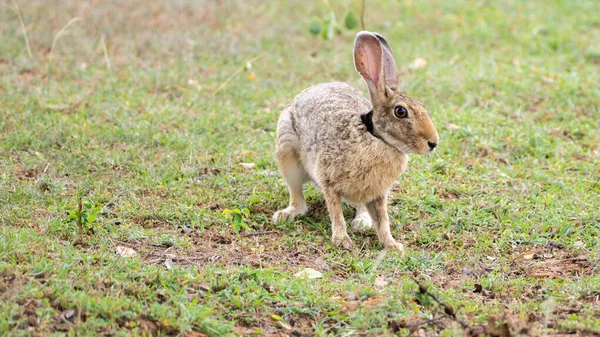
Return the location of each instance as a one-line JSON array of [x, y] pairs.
[[224, 84], [594, 184], [105, 51], [70, 109], [79, 220], [315, 248], [259, 233], [362, 15], [448, 309], [61, 32], [380, 256], [18, 12], [110, 201]]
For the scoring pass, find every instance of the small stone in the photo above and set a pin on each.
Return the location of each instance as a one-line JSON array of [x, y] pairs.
[[452, 127], [309, 273], [248, 166], [125, 251], [380, 282], [69, 313], [351, 296], [418, 63], [169, 264]]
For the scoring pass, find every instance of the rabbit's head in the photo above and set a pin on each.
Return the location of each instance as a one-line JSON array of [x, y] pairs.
[[400, 121]]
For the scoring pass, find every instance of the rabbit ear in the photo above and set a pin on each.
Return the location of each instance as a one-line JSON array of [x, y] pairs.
[[390, 71], [368, 56]]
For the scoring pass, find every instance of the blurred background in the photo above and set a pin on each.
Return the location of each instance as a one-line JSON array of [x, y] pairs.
[[150, 125]]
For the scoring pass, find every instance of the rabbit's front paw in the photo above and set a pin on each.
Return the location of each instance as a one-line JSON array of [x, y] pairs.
[[393, 245], [344, 242], [287, 215]]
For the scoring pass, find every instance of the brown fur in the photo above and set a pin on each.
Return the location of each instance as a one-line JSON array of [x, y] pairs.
[[321, 137]]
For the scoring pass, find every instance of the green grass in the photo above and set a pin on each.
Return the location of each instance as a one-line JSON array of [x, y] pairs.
[[121, 115]]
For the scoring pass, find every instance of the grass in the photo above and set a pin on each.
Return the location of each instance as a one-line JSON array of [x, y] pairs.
[[118, 116]]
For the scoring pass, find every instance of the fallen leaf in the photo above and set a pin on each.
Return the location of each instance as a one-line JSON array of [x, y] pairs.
[[248, 166], [284, 325], [204, 286], [528, 255], [374, 301], [547, 80], [394, 326], [452, 127], [169, 264], [351, 296], [418, 63], [497, 330], [454, 59], [276, 317], [309, 273], [473, 161], [380, 282], [501, 158], [69, 313], [125, 251]]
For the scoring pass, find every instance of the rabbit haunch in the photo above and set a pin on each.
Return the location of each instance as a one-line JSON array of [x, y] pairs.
[[322, 136]]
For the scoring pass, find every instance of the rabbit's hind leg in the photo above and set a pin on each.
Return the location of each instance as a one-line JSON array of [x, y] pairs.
[[295, 176], [362, 220]]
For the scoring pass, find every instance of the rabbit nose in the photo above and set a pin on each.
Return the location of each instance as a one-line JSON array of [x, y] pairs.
[[431, 145]]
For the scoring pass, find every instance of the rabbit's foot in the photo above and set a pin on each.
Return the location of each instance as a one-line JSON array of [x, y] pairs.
[[362, 222], [288, 214], [394, 245], [343, 241]]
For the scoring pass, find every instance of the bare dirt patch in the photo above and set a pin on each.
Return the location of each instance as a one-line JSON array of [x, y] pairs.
[[548, 261], [10, 286], [255, 249], [30, 173]]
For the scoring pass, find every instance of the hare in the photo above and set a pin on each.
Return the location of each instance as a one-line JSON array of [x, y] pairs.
[[352, 149]]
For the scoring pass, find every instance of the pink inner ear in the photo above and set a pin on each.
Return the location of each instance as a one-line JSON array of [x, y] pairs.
[[367, 58], [369, 65]]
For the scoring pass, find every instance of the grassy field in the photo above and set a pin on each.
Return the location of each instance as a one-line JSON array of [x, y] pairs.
[[124, 126]]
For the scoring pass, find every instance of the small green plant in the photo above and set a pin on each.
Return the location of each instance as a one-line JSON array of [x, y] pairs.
[[237, 217], [84, 216], [328, 27], [79, 219]]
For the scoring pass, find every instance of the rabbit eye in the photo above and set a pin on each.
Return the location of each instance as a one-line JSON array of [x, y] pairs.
[[400, 112]]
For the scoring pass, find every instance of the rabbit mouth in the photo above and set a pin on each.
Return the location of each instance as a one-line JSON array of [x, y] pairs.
[[406, 148]]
